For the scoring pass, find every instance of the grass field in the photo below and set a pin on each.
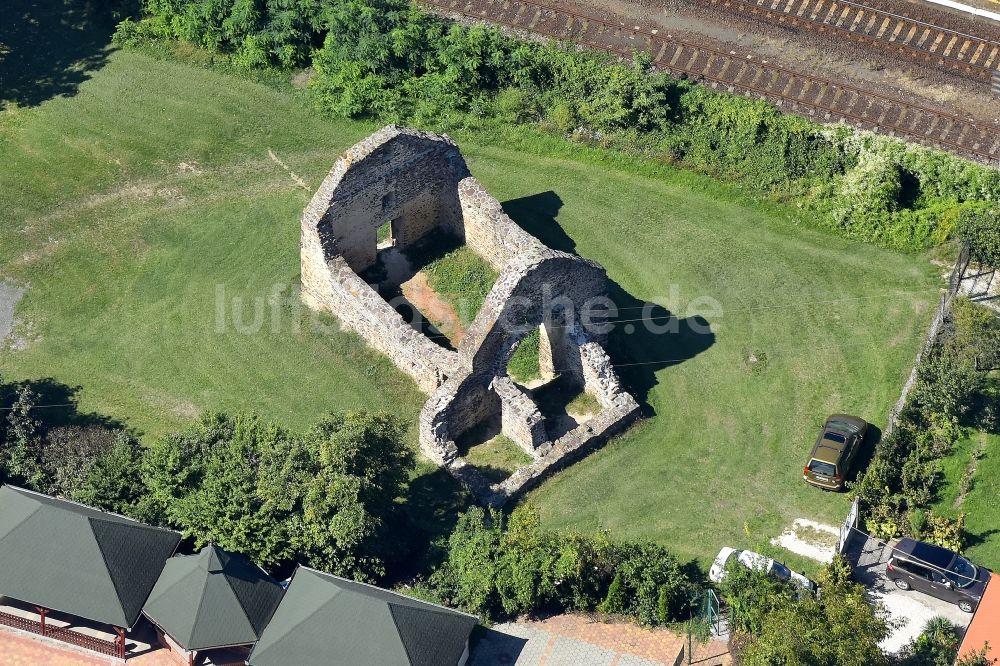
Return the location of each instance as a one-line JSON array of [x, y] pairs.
[[981, 502], [145, 210]]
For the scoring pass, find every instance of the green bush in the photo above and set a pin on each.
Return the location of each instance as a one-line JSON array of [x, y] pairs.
[[523, 365], [257, 33], [322, 498], [388, 60], [949, 395], [937, 645], [500, 567], [945, 532], [980, 229], [778, 624]]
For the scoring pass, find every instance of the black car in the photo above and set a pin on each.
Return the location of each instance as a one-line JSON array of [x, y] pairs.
[[937, 571]]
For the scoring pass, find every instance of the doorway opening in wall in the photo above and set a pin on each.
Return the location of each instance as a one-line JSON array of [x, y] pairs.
[[564, 405], [525, 366], [384, 238]]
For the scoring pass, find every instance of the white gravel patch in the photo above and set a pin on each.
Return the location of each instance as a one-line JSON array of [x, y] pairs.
[[9, 296], [809, 539], [910, 611]]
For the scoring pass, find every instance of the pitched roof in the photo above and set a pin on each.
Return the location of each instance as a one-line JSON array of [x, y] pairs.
[[212, 599], [323, 619], [72, 558]]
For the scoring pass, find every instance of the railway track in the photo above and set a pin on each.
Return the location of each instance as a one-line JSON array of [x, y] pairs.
[[815, 97], [919, 40]]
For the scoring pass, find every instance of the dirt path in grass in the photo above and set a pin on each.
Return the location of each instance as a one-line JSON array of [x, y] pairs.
[[436, 309]]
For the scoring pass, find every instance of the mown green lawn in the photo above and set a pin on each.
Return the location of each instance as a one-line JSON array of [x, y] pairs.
[[981, 503], [130, 207]]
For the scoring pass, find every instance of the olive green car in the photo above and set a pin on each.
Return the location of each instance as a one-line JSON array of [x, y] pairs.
[[835, 451]]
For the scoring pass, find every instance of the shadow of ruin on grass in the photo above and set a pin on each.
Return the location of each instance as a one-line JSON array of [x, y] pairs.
[[638, 351]]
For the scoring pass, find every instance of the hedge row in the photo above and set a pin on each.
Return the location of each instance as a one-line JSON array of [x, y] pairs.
[[500, 567], [387, 59], [949, 396], [327, 497]]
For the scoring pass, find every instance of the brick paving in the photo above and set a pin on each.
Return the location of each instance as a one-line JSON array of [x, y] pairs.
[[563, 640], [578, 640], [17, 649]]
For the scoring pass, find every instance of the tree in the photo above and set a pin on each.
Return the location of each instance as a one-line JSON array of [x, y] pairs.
[[979, 228], [209, 481], [468, 577], [751, 596], [362, 467], [113, 480], [502, 566], [947, 383], [23, 455], [226, 508], [253, 487], [837, 628], [172, 468]]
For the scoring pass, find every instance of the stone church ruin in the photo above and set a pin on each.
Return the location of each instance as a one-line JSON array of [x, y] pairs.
[[419, 183]]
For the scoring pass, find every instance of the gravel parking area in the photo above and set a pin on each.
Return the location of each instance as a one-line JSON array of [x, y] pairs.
[[909, 611]]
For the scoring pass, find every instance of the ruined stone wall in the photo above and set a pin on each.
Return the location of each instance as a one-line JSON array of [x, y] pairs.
[[533, 287], [520, 419], [420, 182], [333, 287], [516, 304], [488, 231], [395, 174], [568, 448]]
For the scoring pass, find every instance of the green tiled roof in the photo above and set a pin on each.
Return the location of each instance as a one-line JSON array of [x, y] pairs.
[[324, 620], [212, 599], [72, 558]]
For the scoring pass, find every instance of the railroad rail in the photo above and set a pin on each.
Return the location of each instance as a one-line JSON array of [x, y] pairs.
[[951, 49], [821, 99]]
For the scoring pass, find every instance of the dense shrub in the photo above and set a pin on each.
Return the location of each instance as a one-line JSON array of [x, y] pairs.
[[23, 447], [949, 395], [501, 567], [257, 33], [327, 497], [937, 645], [322, 498], [386, 59], [77, 460], [977, 658], [779, 624], [112, 481]]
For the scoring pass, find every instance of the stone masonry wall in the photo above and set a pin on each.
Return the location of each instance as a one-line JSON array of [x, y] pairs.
[[420, 182], [488, 231], [520, 418]]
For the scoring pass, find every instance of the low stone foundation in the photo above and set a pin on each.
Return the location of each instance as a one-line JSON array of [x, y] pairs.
[[419, 182]]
